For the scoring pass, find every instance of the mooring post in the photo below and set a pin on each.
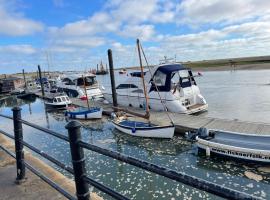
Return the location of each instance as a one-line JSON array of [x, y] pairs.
[[41, 82], [114, 95], [24, 79], [18, 135], [78, 160]]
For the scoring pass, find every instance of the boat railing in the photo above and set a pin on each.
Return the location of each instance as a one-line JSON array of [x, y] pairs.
[[78, 169]]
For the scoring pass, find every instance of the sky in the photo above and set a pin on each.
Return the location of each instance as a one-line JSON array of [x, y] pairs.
[[76, 34]]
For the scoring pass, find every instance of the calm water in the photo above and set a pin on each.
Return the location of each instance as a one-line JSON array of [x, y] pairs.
[[240, 95]]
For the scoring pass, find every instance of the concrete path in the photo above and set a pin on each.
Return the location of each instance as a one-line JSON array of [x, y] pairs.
[[32, 188]]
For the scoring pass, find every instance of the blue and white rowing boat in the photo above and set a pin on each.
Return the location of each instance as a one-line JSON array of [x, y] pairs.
[[85, 113], [144, 129]]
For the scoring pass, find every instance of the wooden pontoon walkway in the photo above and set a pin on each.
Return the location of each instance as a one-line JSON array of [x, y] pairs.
[[185, 123]]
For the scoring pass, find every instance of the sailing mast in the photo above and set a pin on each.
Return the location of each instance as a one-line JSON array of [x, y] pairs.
[[147, 115]]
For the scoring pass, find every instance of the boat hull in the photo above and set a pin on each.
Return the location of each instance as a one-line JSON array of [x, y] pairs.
[[95, 113], [148, 132], [59, 106], [155, 104]]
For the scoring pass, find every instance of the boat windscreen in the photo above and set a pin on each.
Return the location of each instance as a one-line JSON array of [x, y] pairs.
[[88, 81]]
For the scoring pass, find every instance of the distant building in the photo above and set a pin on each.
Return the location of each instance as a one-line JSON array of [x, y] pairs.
[[10, 83]]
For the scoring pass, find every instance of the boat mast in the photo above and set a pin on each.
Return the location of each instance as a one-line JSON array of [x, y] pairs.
[[85, 92], [147, 115]]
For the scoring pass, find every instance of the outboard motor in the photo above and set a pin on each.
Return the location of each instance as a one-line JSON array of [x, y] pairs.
[[203, 132]]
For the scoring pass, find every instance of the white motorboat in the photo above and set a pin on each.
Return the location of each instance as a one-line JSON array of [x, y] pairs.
[[177, 88], [58, 101], [73, 86]]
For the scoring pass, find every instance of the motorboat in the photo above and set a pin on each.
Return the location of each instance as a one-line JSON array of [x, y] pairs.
[[173, 83], [123, 71], [57, 101], [233, 145], [73, 86]]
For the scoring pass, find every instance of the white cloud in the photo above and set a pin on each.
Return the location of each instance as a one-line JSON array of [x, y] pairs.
[[195, 12], [144, 32], [98, 23], [15, 24], [18, 49]]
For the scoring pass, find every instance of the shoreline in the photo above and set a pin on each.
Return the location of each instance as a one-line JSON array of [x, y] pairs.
[[258, 66]]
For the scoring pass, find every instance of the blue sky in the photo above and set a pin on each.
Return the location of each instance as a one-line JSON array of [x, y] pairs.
[[75, 35]]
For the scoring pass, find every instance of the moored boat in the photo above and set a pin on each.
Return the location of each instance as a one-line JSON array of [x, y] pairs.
[[143, 129], [73, 86], [84, 113], [249, 147], [58, 101], [175, 84]]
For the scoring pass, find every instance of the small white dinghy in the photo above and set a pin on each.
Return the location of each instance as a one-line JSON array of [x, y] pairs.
[[141, 128]]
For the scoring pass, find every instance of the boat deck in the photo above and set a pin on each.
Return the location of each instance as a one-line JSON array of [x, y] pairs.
[[184, 123]]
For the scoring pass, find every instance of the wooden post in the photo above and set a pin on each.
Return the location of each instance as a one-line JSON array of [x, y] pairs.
[[25, 85], [114, 95], [41, 82]]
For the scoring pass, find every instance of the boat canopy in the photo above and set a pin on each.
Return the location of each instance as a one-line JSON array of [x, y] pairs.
[[163, 75], [169, 68]]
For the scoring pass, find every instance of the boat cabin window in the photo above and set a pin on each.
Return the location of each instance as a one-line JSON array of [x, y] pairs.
[[137, 91], [55, 100], [159, 78], [67, 81], [88, 81], [184, 77], [63, 98], [126, 86]]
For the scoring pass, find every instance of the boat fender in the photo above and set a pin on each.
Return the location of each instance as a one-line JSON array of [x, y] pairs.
[[85, 116], [133, 130], [207, 151], [113, 115], [65, 113], [203, 132]]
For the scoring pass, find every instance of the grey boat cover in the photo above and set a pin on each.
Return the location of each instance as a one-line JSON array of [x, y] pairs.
[[257, 142]]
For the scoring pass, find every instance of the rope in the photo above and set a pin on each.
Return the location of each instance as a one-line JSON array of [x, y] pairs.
[[164, 106]]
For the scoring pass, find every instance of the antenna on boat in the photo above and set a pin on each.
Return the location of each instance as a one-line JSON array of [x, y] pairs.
[[85, 92], [147, 115], [165, 108]]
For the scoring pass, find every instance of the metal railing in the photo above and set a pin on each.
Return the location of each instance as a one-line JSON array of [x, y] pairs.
[[82, 181]]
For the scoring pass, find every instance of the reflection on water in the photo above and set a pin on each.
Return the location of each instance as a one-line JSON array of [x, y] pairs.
[[177, 153]]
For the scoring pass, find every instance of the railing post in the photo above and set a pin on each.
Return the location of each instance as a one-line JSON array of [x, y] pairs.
[[78, 160], [18, 135]]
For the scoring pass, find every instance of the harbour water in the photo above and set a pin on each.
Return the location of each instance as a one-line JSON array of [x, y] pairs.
[[242, 95]]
